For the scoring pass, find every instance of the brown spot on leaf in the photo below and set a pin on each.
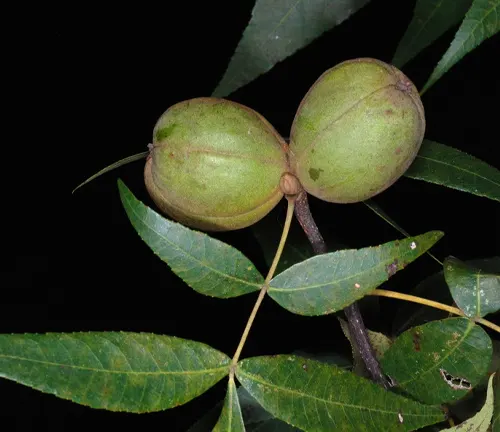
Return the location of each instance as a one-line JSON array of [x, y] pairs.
[[416, 341], [453, 340], [389, 111], [392, 268], [398, 150]]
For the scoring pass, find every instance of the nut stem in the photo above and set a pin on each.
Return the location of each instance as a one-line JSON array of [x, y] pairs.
[[357, 327]]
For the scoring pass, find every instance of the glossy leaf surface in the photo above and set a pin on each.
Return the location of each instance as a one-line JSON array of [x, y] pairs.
[[446, 166], [276, 30], [434, 287], [207, 265], [480, 23], [440, 361], [327, 283], [255, 417], [431, 19], [314, 396], [116, 371], [231, 419], [475, 292]]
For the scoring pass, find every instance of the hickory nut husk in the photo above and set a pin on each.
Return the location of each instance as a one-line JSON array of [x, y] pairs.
[[356, 132], [215, 165]]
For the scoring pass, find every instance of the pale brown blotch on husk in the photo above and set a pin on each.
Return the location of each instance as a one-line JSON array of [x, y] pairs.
[[215, 165], [356, 131]]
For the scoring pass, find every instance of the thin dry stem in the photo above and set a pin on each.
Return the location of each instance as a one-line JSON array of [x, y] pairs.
[[434, 304], [265, 286]]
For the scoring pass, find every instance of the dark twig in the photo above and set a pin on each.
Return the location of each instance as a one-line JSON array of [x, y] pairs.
[[357, 329]]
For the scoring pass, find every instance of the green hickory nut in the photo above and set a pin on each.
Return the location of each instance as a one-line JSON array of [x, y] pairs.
[[356, 131], [215, 165]]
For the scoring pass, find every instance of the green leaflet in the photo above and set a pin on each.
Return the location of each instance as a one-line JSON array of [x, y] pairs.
[[440, 361], [314, 396], [276, 30], [116, 371], [231, 419], [256, 418], [480, 23], [327, 283], [476, 292], [431, 19], [434, 287], [495, 421], [446, 166], [207, 265]]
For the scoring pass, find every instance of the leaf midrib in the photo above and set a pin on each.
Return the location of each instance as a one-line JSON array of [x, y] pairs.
[[424, 24], [305, 395], [457, 168], [338, 281], [111, 371]]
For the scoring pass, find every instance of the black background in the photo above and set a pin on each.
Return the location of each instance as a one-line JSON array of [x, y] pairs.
[[89, 85]]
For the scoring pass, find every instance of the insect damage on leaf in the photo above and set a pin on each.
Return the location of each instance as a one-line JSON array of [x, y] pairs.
[[455, 383]]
